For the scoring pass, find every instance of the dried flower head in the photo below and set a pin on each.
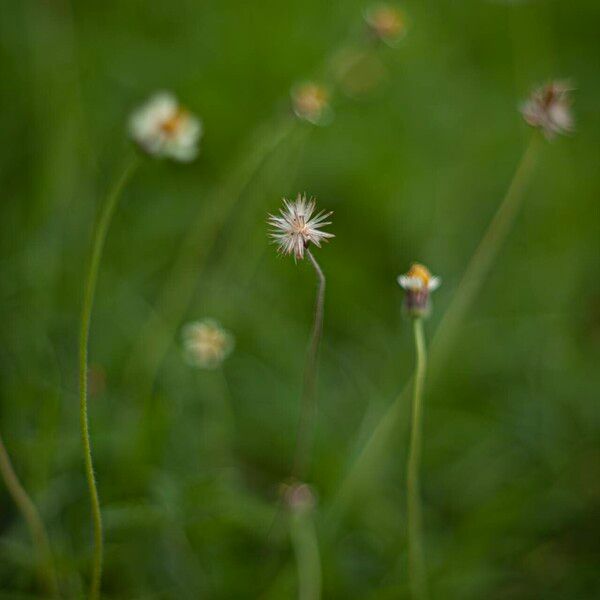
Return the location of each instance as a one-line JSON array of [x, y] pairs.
[[418, 283], [298, 496], [310, 102], [163, 128], [549, 109], [387, 22], [296, 227], [206, 343]]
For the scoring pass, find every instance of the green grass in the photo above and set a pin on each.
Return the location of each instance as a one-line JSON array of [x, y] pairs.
[[414, 170]]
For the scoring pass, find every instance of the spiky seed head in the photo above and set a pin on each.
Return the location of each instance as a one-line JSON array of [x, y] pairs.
[[297, 226]]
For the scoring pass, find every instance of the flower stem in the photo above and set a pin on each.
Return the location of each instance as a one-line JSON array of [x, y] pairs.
[[485, 253], [307, 404], [372, 452], [47, 574], [86, 314], [306, 550], [416, 560]]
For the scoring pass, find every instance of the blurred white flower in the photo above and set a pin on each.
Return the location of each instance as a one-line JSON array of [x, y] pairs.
[[296, 227], [386, 22], [206, 343], [310, 102], [418, 283], [549, 109], [163, 128]]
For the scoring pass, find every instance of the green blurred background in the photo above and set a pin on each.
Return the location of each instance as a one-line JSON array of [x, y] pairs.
[[414, 169]]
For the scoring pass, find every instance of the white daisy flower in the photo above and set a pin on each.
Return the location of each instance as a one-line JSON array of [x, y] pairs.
[[418, 283], [163, 128], [296, 227], [310, 102], [549, 109], [206, 344]]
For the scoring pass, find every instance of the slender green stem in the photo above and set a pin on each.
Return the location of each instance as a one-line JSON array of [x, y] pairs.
[[47, 573], [307, 404], [86, 315], [365, 464], [486, 252], [304, 434], [416, 559], [306, 550]]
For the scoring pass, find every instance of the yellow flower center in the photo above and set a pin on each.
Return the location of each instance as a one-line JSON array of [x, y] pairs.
[[312, 99], [420, 272], [171, 126]]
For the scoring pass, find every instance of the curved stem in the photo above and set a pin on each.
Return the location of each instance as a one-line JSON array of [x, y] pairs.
[[306, 550], [34, 522], [416, 560], [86, 315], [307, 405], [371, 452]]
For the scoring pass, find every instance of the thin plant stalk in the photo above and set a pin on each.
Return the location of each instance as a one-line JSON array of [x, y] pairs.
[[307, 403], [37, 530], [371, 453], [486, 252], [416, 558], [305, 431], [306, 551], [86, 314]]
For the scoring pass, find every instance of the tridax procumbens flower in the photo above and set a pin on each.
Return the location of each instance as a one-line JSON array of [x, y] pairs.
[[310, 102], [418, 283], [162, 128], [206, 343], [386, 22], [549, 109], [296, 227]]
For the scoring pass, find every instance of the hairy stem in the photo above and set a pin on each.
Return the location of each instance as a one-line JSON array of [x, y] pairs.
[[86, 314], [47, 573], [307, 404], [306, 550], [416, 559]]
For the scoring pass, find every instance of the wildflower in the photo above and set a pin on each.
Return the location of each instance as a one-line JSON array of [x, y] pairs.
[[386, 22], [549, 109], [298, 497], [163, 128], [418, 283], [206, 343], [310, 102], [296, 228]]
